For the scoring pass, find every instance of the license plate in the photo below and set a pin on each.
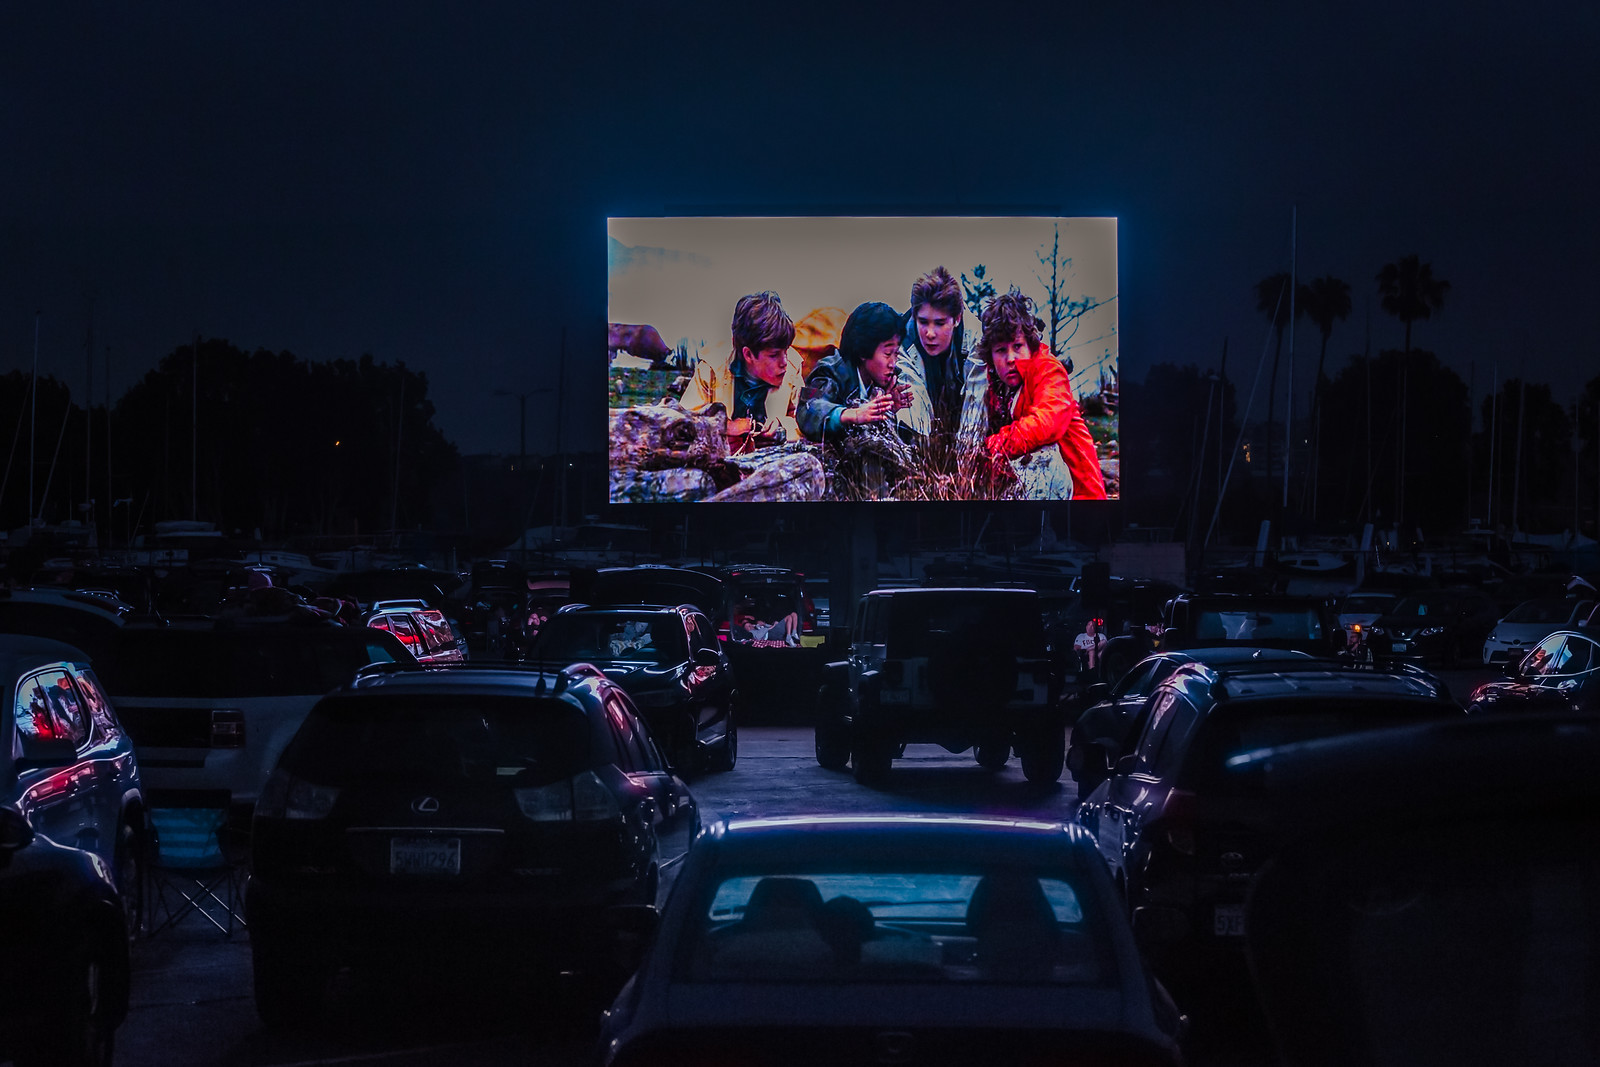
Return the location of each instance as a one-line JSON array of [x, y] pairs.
[[1401, 646], [424, 855], [1228, 921]]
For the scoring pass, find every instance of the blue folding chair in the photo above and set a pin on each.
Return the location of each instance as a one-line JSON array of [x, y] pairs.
[[190, 866]]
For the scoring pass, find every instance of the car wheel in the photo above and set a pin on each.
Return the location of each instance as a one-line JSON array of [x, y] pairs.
[[131, 879], [871, 759], [288, 985], [727, 753], [993, 757], [833, 746], [1044, 759], [81, 1030]]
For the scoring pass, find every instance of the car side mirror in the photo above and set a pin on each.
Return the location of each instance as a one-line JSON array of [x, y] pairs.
[[1097, 692], [706, 657], [1124, 765], [39, 753]]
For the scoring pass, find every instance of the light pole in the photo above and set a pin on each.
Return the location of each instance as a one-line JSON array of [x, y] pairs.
[[522, 459]]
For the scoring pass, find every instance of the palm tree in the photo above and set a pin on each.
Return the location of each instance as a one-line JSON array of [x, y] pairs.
[[1272, 300], [1326, 300], [1408, 290]]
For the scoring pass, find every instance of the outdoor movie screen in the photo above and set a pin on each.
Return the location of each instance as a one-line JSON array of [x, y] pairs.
[[784, 359]]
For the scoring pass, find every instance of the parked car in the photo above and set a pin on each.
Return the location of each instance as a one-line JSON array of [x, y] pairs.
[[960, 668], [63, 947], [210, 704], [86, 621], [1180, 841], [1560, 673], [1100, 734], [1418, 914], [496, 599], [669, 662], [891, 939], [1440, 625], [425, 631], [69, 767], [482, 808], [1358, 611], [1529, 623]]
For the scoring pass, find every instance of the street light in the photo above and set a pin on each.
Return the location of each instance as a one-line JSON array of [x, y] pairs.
[[522, 457]]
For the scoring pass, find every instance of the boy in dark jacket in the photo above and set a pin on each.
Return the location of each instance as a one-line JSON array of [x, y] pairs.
[[856, 386]]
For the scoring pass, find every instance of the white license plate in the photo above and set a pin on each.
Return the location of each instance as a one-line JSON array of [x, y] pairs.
[[1401, 646], [1228, 921], [424, 855]]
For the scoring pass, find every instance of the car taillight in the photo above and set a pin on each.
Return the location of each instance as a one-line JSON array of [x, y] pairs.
[[583, 798], [1177, 819], [227, 728], [722, 632], [287, 797]]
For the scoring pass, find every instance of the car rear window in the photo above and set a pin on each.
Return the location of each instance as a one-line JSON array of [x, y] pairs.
[[232, 663], [434, 738], [898, 926], [937, 624], [576, 638], [1259, 624]]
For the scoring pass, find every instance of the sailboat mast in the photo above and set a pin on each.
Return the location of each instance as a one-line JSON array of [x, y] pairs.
[[1288, 407]]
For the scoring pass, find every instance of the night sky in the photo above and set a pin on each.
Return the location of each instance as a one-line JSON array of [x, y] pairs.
[[430, 183]]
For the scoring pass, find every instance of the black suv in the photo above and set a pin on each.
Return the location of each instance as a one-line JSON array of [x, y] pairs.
[[489, 809], [668, 661], [1180, 838], [961, 668]]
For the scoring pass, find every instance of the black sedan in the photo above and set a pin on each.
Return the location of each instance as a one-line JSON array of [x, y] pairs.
[[1439, 625], [486, 813], [936, 940], [669, 661]]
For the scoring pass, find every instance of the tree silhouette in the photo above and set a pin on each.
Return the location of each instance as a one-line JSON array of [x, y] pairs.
[[1324, 300], [1063, 309], [1272, 300], [1408, 290], [977, 289]]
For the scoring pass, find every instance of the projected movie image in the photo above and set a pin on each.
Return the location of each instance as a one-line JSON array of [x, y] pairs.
[[881, 359]]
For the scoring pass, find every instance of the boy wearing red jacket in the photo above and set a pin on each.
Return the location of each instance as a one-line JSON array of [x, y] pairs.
[[1031, 408]]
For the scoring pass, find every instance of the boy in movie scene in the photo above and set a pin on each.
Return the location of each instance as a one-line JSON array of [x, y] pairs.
[[1034, 422], [856, 386], [758, 382], [936, 359]]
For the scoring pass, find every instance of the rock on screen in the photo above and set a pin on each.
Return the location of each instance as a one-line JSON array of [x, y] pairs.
[[786, 359]]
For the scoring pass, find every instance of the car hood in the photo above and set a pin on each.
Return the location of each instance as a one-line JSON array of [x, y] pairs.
[[1527, 633]]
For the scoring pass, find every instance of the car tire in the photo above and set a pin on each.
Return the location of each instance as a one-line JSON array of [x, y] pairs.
[[81, 1029], [130, 877], [870, 760], [993, 757], [727, 753], [288, 985], [833, 746], [1044, 759]]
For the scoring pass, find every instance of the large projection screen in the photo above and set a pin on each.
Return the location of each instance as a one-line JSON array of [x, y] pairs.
[[883, 359]]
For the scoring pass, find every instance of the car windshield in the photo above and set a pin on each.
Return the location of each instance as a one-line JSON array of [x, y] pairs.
[[1259, 624], [1544, 610], [440, 739], [1419, 606], [578, 638], [1365, 605], [898, 926]]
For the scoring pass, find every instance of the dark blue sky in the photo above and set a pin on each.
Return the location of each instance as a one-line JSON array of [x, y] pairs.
[[430, 183]]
